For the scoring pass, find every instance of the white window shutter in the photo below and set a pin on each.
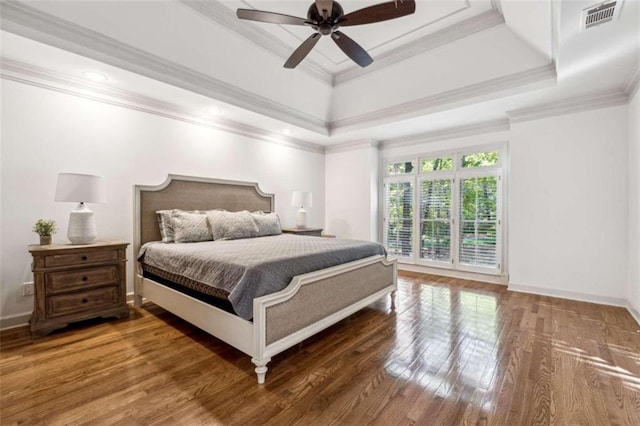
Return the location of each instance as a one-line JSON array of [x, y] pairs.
[[398, 224], [478, 221], [435, 220]]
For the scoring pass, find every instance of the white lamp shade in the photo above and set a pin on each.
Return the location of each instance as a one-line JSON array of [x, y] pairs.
[[74, 187], [301, 199]]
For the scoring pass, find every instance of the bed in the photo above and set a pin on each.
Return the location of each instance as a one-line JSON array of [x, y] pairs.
[[307, 305]]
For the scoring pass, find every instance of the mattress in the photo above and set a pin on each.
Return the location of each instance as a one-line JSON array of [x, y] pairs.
[[241, 270]]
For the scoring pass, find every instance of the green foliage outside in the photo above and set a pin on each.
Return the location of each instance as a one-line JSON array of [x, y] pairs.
[[480, 159], [400, 168], [435, 164]]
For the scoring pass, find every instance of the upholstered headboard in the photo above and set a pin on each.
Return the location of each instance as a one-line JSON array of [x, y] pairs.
[[192, 193]]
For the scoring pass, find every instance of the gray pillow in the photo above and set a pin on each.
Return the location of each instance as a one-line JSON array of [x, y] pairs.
[[231, 225], [166, 225], [190, 227], [267, 223]]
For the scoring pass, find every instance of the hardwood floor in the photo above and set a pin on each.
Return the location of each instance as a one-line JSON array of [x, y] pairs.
[[453, 352]]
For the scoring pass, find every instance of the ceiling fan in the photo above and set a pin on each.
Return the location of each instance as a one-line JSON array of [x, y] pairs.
[[325, 17]]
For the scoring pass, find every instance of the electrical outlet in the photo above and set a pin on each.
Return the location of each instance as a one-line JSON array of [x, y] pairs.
[[27, 289]]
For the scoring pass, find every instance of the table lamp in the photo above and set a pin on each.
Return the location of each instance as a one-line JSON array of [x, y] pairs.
[[301, 199], [79, 188]]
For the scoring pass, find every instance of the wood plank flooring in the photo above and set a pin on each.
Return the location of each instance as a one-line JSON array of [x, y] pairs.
[[453, 352]]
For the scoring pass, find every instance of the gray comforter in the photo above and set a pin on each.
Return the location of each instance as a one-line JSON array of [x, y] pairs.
[[253, 267]]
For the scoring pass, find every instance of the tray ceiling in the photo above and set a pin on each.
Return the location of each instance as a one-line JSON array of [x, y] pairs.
[[452, 64], [375, 38]]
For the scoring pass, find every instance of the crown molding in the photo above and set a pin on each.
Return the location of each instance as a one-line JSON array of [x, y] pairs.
[[222, 15], [27, 21], [351, 146], [441, 101], [470, 26], [493, 126], [497, 6], [568, 106], [39, 77], [633, 82]]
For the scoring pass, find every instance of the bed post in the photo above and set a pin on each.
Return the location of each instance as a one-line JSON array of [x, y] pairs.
[[137, 289], [261, 368]]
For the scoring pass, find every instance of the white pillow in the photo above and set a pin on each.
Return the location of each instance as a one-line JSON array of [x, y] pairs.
[[231, 225], [267, 223], [166, 225], [190, 227]]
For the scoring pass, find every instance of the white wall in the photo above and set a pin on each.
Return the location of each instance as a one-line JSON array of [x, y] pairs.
[[568, 205], [45, 132], [352, 193], [633, 275]]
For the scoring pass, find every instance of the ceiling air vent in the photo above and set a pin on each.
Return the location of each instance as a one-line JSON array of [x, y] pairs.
[[600, 14]]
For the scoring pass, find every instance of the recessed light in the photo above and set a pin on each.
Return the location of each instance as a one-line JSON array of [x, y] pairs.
[[94, 76]]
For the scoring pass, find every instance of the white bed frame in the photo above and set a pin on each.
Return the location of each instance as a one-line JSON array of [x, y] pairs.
[[277, 324]]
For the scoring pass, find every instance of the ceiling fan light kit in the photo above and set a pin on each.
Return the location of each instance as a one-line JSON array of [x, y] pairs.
[[325, 17]]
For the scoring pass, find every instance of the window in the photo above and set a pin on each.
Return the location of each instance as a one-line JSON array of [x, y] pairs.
[[435, 218], [399, 218], [480, 159], [478, 221], [435, 164], [401, 168], [446, 212]]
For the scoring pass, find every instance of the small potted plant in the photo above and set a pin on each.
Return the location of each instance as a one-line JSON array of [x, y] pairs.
[[45, 228]]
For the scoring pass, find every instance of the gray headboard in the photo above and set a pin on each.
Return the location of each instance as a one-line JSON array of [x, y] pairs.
[[192, 193]]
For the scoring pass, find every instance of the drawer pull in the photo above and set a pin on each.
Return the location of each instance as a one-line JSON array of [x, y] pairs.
[[84, 278], [84, 257], [85, 300]]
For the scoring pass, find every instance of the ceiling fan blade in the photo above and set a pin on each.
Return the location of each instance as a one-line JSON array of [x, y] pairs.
[[324, 5], [270, 17], [379, 12], [302, 51], [352, 49]]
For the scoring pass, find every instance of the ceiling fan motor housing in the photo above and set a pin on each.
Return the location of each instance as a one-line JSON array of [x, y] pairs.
[[325, 26]]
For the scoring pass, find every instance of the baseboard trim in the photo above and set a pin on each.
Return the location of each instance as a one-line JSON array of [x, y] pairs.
[[16, 320], [571, 295], [21, 320], [634, 312], [473, 276]]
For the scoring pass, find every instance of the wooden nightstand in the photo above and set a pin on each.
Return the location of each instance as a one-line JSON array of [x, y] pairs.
[[314, 232], [77, 282]]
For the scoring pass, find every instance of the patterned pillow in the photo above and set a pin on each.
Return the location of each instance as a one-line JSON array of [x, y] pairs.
[[268, 223], [190, 227], [231, 225], [166, 225]]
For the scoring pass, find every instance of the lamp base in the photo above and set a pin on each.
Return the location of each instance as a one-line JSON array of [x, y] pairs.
[[82, 226], [301, 218]]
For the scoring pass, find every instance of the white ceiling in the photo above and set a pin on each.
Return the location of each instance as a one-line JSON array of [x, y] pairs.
[[376, 39], [451, 64]]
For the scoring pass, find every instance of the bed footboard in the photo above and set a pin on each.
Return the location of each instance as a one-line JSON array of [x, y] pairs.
[[315, 301]]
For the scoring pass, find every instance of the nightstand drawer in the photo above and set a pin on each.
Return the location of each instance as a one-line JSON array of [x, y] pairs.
[[81, 278], [82, 301], [80, 258]]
